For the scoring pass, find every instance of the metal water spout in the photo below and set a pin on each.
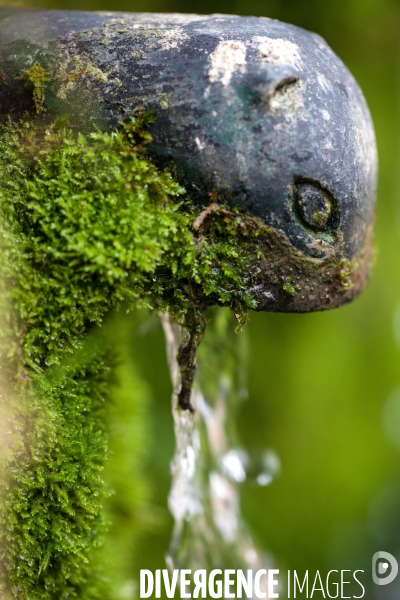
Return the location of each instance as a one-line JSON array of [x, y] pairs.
[[260, 114]]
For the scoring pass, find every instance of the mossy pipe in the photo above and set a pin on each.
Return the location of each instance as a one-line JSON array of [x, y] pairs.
[[252, 112]]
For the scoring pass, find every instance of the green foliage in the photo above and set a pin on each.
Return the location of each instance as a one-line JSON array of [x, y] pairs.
[[87, 223]]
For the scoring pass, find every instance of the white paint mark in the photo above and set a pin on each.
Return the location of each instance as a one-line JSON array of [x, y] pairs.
[[325, 115], [225, 60], [278, 51]]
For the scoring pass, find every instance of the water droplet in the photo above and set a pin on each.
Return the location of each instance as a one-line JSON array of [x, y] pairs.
[[263, 466], [233, 465]]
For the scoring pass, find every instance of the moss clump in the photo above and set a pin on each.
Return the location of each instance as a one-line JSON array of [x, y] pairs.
[[36, 78], [87, 223], [289, 289]]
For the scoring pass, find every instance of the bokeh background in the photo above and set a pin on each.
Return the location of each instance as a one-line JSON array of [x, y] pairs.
[[324, 389]]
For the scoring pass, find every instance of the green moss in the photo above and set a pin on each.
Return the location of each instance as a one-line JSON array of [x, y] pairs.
[[36, 78], [345, 274], [289, 289], [87, 224]]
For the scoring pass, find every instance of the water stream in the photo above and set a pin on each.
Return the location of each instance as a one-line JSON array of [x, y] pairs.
[[209, 465]]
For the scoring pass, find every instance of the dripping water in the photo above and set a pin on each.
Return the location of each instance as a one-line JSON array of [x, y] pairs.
[[208, 464]]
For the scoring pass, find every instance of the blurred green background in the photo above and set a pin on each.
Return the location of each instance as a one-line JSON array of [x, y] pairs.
[[323, 388]]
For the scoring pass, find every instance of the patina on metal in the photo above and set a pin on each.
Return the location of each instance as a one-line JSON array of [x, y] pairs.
[[260, 114]]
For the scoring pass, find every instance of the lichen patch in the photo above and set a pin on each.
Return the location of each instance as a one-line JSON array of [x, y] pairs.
[[225, 60], [287, 102], [70, 70], [278, 51]]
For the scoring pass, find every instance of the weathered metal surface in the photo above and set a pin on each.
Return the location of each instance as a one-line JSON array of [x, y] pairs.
[[262, 113]]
